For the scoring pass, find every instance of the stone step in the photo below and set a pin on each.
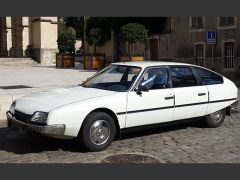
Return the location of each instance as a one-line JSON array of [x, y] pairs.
[[17, 61], [14, 59]]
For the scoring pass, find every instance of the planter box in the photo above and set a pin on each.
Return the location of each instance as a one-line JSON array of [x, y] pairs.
[[131, 58], [65, 60], [94, 61]]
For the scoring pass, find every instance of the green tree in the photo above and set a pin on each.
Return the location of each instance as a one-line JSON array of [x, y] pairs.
[[133, 33], [102, 23], [66, 41], [96, 37], [114, 24], [77, 23]]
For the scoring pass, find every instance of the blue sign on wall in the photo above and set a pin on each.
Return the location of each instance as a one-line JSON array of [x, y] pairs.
[[211, 37]]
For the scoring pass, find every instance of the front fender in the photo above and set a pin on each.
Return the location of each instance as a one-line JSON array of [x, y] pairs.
[[73, 115]]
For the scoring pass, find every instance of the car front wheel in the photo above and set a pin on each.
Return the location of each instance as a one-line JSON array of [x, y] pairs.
[[215, 119], [98, 131]]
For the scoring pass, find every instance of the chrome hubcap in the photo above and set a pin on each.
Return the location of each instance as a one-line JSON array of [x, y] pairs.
[[216, 116], [99, 132]]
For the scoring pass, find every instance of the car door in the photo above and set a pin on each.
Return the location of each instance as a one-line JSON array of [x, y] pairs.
[[221, 93], [191, 99], [154, 106]]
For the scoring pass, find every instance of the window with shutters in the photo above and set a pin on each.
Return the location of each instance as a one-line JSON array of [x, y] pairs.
[[196, 22], [229, 55], [226, 21]]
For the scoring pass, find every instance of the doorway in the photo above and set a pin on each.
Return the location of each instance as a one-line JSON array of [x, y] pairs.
[[153, 45]]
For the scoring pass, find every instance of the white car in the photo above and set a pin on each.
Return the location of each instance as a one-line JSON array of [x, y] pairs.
[[125, 95]]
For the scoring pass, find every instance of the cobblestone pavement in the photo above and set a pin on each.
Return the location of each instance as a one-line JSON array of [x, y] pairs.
[[185, 143]]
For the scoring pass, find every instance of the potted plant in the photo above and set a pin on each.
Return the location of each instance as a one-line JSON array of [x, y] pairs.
[[133, 33], [95, 37], [66, 45]]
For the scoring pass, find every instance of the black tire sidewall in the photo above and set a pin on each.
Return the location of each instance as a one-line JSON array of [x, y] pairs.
[[213, 124], [85, 129]]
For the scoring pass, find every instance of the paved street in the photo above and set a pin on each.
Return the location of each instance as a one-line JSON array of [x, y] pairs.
[[186, 143]]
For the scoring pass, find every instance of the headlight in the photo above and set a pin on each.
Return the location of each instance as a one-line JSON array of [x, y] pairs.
[[12, 108], [39, 117]]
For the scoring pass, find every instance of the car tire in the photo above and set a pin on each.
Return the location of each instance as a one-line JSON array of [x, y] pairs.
[[215, 119], [97, 132]]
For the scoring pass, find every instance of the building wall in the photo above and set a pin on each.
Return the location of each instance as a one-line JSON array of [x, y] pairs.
[[179, 45], [34, 37]]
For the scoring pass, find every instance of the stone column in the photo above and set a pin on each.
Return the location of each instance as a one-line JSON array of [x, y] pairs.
[[6, 36], [2, 29], [25, 34], [9, 34], [44, 39]]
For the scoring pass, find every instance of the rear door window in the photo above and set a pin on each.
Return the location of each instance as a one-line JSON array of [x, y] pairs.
[[182, 77]]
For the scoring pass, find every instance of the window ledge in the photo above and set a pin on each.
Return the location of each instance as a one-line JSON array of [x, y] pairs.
[[226, 27], [196, 30], [229, 69]]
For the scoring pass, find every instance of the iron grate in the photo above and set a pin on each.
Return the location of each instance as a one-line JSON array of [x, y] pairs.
[[129, 158]]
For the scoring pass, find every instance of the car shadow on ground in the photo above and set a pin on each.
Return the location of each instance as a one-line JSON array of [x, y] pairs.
[[162, 128], [11, 141]]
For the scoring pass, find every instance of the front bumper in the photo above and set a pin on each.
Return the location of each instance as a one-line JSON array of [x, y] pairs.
[[48, 130]]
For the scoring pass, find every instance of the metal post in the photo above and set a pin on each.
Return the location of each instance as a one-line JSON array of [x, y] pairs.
[[91, 61], [212, 59], [84, 43]]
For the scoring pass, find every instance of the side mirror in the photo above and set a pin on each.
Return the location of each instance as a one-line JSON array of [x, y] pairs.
[[143, 88]]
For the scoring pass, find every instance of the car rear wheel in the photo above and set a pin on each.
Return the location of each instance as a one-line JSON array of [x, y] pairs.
[[215, 119], [97, 132]]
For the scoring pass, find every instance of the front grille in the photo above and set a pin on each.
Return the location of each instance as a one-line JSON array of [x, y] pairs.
[[22, 116]]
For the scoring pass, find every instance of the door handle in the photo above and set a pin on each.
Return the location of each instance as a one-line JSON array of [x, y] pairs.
[[201, 94], [169, 97]]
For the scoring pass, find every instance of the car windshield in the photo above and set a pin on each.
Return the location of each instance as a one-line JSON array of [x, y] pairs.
[[114, 78]]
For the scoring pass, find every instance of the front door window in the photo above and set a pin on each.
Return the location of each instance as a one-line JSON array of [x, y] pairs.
[[155, 78]]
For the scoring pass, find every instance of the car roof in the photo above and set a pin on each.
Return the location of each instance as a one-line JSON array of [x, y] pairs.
[[144, 64]]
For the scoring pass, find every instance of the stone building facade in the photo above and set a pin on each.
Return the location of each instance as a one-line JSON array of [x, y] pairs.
[[187, 42], [34, 37]]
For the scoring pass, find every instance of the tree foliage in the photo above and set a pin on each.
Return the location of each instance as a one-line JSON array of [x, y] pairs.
[[96, 37], [102, 23], [77, 23], [133, 32], [66, 41]]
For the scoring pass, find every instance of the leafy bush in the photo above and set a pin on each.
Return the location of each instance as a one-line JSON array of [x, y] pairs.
[[96, 37], [66, 41]]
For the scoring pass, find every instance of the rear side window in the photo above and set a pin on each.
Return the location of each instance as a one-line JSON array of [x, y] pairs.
[[182, 77], [208, 77]]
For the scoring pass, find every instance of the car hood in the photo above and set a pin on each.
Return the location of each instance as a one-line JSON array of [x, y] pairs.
[[52, 99]]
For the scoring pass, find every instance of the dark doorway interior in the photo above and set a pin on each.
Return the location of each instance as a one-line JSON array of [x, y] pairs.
[[153, 44]]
